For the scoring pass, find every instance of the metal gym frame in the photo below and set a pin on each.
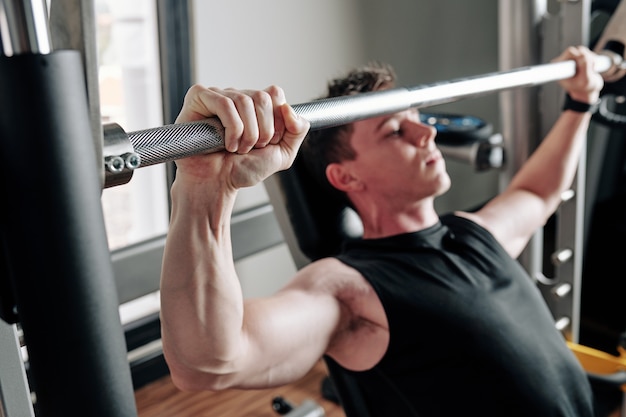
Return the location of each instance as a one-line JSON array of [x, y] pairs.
[[57, 278], [103, 378]]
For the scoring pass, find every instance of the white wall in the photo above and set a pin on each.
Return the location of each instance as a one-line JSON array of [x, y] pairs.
[[300, 45], [295, 44]]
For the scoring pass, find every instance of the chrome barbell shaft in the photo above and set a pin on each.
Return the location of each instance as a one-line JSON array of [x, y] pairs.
[[175, 141]]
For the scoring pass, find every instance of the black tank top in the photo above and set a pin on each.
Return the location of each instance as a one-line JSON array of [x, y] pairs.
[[470, 334]]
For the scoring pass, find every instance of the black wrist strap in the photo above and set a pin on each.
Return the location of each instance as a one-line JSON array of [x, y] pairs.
[[579, 106]]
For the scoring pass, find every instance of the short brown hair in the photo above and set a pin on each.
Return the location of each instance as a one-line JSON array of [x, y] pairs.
[[326, 146]]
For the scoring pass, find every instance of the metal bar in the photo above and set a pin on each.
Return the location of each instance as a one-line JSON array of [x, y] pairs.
[[73, 26], [15, 400], [176, 141], [24, 27], [568, 230]]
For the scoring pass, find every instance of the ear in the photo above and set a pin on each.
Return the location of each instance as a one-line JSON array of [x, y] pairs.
[[341, 178]]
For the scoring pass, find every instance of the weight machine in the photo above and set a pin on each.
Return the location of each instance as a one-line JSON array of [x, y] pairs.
[[53, 177]]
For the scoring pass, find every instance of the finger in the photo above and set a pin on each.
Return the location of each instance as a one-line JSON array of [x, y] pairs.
[[566, 55], [585, 65], [246, 108], [196, 105], [296, 128], [264, 108], [278, 99], [202, 103], [587, 82]]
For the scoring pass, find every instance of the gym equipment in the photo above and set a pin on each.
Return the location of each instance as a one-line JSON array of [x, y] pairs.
[[158, 145], [605, 371], [613, 37], [601, 366], [53, 238], [308, 408], [68, 199], [467, 139]]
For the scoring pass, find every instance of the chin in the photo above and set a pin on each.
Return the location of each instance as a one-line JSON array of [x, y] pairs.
[[444, 184]]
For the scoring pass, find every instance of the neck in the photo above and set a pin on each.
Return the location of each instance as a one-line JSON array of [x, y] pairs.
[[382, 222]]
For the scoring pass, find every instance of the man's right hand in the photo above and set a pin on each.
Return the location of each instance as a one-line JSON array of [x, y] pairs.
[[262, 135]]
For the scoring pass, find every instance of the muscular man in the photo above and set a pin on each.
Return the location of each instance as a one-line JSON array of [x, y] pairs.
[[427, 315]]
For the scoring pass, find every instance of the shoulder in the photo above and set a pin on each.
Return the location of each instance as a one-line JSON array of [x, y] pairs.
[[363, 321], [473, 218], [331, 276], [511, 218]]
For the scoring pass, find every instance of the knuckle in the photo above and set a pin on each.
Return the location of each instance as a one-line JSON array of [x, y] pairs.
[[242, 100], [261, 98], [194, 91], [275, 91], [223, 101]]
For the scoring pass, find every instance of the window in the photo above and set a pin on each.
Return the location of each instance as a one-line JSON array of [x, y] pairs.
[[130, 95]]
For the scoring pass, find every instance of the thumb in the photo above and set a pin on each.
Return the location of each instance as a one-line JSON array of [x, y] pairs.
[[296, 128]]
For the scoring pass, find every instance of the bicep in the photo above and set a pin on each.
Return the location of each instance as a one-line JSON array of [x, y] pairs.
[[287, 334]]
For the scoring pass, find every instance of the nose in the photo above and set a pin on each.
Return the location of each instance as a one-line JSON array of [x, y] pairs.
[[422, 133]]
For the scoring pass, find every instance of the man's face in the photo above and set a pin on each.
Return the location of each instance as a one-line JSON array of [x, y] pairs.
[[397, 158]]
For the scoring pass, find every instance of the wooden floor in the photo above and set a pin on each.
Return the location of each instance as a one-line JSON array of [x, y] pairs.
[[162, 399]]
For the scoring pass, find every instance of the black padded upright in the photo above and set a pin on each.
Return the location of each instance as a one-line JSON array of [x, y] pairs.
[[320, 222], [53, 240]]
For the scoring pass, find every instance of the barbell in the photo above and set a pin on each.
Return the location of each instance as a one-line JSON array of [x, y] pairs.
[[124, 152]]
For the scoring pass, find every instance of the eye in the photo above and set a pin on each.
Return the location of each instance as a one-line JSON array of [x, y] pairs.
[[395, 133]]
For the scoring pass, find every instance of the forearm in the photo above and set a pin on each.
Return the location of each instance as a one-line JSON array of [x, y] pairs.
[[552, 167], [201, 299]]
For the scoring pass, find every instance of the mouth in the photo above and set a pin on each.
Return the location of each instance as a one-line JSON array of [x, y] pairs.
[[433, 157]]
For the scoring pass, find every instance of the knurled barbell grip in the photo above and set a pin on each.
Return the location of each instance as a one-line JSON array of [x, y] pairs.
[[177, 141]]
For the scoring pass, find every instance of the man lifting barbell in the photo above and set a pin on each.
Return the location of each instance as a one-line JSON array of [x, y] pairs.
[[428, 314]]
